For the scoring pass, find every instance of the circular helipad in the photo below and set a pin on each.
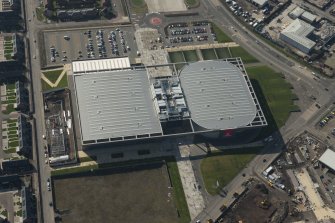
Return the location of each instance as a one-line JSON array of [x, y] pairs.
[[155, 21]]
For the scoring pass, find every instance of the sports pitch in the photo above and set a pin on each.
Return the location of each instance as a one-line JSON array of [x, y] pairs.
[[134, 194]]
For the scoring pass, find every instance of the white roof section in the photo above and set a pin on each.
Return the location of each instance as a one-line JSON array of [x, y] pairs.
[[100, 65], [260, 2], [308, 16], [217, 95], [115, 104], [298, 31], [296, 12], [328, 158]]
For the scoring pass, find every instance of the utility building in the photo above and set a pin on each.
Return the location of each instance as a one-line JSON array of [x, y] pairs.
[[296, 35]]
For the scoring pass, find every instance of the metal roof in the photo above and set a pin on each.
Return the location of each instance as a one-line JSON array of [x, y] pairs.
[[100, 65], [217, 95], [308, 16], [328, 158], [296, 12], [298, 31], [115, 104], [260, 2]]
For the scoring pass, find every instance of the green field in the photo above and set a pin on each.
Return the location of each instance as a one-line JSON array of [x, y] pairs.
[[274, 94], [40, 14], [220, 35], [218, 169], [245, 56], [9, 109], [223, 53], [208, 54], [178, 192], [52, 75], [190, 55], [192, 3], [138, 6], [177, 57]]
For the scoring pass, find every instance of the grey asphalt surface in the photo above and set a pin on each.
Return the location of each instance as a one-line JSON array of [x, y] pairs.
[[45, 212], [79, 40]]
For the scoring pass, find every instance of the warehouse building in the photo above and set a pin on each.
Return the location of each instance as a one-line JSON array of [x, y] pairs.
[[121, 103], [296, 35], [308, 17], [260, 3], [296, 12], [328, 159]]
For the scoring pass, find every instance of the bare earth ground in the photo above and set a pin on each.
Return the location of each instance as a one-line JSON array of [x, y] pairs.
[[136, 196], [165, 6], [248, 210]]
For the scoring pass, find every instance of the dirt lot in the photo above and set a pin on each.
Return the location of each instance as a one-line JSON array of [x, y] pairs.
[[128, 196], [251, 209]]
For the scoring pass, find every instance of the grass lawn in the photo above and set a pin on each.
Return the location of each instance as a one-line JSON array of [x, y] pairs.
[[276, 91], [220, 35], [10, 86], [138, 6], [40, 14], [19, 213], [208, 54], [52, 75], [11, 132], [13, 143], [9, 109], [11, 101], [10, 150], [11, 121], [8, 38], [11, 127], [192, 3], [223, 166], [178, 192], [190, 55], [62, 83], [245, 56], [176, 57], [223, 53], [4, 213], [87, 159]]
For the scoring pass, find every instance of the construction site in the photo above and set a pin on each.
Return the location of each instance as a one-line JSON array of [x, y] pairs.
[[60, 148]]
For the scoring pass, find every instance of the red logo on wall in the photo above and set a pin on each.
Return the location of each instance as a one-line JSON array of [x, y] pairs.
[[228, 132]]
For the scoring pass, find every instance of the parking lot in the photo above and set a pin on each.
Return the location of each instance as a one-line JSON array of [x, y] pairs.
[[326, 125], [82, 44], [188, 34]]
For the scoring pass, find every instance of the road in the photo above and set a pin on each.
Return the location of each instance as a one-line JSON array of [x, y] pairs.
[[44, 197], [303, 81], [305, 85]]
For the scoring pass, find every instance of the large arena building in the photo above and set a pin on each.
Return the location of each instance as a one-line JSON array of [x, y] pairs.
[[117, 102]]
